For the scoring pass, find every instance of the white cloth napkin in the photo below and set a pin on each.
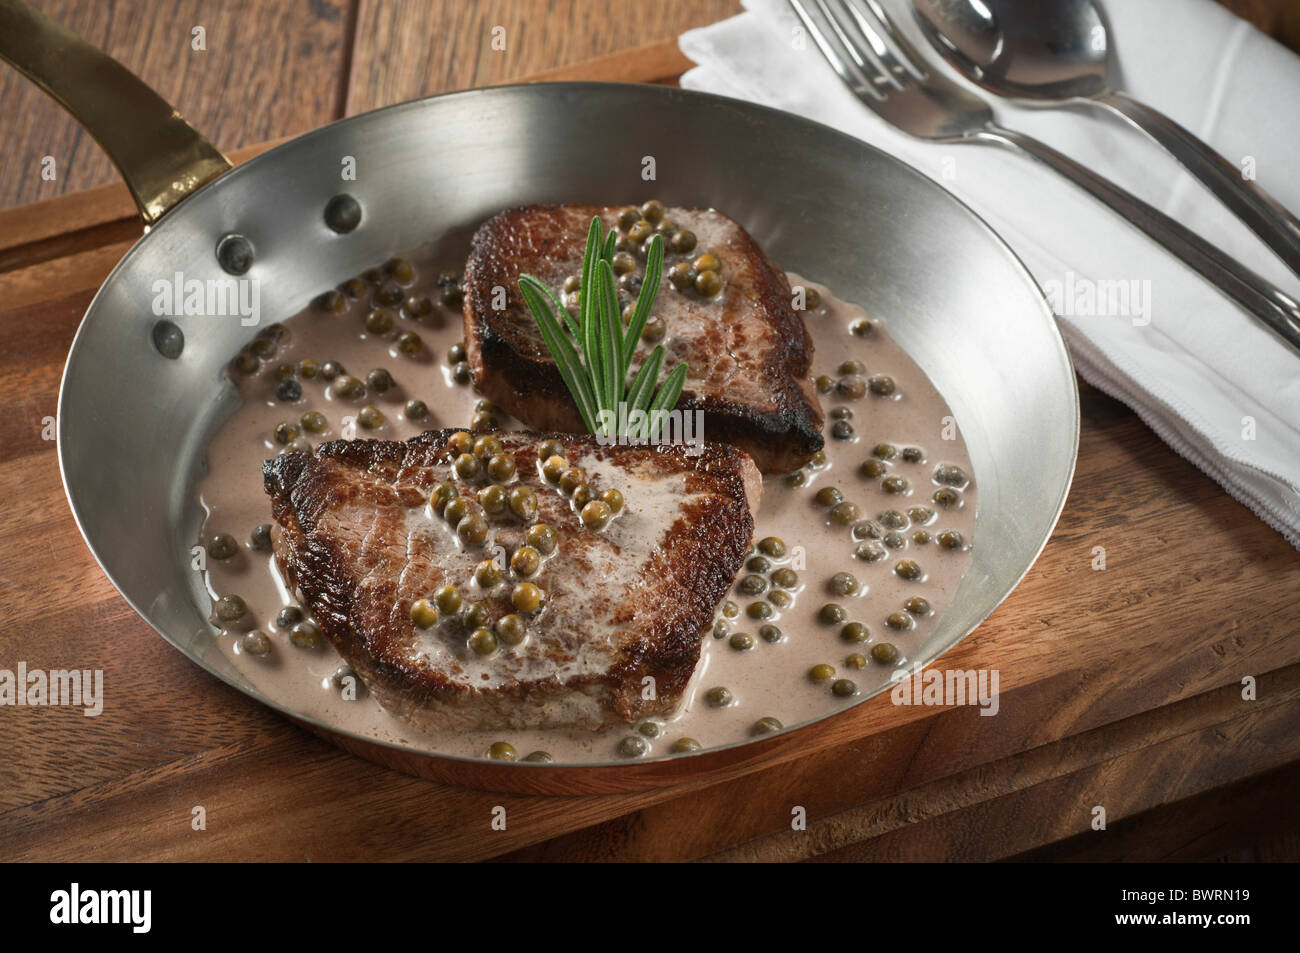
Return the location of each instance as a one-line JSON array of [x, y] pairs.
[[1216, 385]]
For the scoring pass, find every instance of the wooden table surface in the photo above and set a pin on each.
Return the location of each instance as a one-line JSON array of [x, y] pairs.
[[1121, 688]]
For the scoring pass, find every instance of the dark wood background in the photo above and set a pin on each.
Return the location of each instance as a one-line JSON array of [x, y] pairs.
[[1118, 688], [274, 68]]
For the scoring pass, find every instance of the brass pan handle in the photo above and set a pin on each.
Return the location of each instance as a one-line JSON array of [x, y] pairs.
[[160, 155]]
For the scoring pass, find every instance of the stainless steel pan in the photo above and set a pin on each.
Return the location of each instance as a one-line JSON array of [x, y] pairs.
[[141, 395]]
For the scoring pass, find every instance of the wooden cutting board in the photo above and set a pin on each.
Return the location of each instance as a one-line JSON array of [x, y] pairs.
[[1121, 688]]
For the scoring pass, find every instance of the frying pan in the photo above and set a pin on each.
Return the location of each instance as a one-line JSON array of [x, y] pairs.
[[142, 395]]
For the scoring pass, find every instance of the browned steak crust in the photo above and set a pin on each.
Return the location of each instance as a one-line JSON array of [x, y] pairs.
[[749, 353], [360, 542]]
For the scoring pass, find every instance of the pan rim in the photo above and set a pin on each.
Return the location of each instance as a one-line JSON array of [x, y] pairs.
[[650, 766]]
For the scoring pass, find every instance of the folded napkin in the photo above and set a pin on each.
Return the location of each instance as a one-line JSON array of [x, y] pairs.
[[1217, 386]]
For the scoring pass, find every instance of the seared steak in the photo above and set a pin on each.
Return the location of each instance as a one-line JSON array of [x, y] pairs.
[[748, 350], [362, 543]]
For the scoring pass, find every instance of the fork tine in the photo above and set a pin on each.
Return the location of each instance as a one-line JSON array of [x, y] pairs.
[[866, 42], [867, 61], [847, 69], [901, 50]]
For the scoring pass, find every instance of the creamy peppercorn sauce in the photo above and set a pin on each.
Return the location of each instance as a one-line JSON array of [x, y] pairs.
[[764, 663]]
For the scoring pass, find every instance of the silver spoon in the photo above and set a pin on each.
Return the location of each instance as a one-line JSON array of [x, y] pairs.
[[1057, 51]]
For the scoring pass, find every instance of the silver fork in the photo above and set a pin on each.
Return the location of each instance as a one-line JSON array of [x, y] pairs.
[[884, 71]]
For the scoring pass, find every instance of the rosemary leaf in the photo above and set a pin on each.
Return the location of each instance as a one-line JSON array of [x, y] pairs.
[[643, 387], [654, 267], [587, 302], [611, 327], [666, 399], [566, 360], [557, 304]]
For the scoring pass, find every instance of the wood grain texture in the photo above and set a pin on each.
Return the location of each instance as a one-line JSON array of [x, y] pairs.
[[411, 48], [1119, 687], [271, 69]]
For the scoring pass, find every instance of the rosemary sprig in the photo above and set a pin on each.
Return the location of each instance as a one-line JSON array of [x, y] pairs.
[[596, 370]]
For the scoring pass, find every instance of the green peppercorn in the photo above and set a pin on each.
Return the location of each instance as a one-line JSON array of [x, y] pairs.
[[855, 632], [526, 561], [741, 641], [222, 546], [917, 605], [492, 499], [542, 537], [447, 599], [719, 697], [947, 497], [483, 641], [831, 614], [766, 726], [772, 546], [255, 642], [708, 283], [844, 513], [488, 573], [596, 515], [472, 530], [884, 653], [526, 598], [286, 432], [844, 584], [882, 385], [305, 635], [476, 615], [785, 578], [828, 496], [261, 537], [410, 343], [523, 503], [442, 494], [424, 613], [908, 569], [502, 751], [821, 672], [844, 688], [511, 629], [501, 467], [920, 514], [230, 608], [379, 321]]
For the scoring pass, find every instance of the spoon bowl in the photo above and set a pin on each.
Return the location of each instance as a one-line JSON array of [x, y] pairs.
[[1057, 52], [1045, 52]]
